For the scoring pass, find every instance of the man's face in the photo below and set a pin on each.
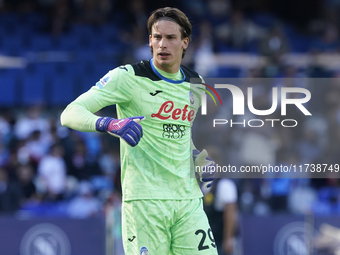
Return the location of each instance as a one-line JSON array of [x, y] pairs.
[[167, 45]]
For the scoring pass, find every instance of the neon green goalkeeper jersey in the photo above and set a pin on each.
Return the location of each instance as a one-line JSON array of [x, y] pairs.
[[159, 166]]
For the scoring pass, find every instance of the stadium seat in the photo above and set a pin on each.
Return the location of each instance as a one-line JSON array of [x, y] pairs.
[[8, 86], [47, 69], [62, 90], [33, 89], [103, 68], [298, 42], [35, 21], [86, 56], [228, 72], [9, 18], [68, 43], [81, 29], [42, 43], [12, 45], [262, 19]]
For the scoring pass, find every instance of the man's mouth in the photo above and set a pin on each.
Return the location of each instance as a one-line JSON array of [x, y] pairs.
[[164, 54]]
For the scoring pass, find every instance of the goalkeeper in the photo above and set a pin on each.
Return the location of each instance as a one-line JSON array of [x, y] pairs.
[[162, 211]]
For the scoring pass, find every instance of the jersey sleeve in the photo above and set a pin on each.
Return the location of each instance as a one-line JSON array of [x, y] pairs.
[[79, 115], [114, 88]]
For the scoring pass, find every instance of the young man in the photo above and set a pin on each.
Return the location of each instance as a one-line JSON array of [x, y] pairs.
[[162, 210]]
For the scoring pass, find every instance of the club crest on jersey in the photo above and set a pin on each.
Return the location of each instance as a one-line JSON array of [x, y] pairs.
[[191, 97], [103, 81], [144, 251]]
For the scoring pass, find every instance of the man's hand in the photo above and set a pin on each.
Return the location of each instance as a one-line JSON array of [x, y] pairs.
[[228, 245], [127, 129], [204, 167]]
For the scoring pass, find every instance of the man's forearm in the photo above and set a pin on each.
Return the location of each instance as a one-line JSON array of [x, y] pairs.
[[79, 115], [229, 219]]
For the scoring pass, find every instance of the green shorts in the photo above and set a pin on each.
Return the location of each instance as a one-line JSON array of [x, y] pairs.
[[163, 227]]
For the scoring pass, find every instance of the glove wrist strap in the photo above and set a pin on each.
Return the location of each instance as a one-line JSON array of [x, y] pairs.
[[103, 123]]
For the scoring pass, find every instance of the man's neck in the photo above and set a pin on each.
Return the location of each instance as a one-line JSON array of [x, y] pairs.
[[168, 69]]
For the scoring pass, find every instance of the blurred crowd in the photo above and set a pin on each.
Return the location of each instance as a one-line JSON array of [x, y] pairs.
[[47, 169]]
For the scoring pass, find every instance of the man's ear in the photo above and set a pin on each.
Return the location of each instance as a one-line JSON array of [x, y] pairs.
[[150, 41], [185, 42]]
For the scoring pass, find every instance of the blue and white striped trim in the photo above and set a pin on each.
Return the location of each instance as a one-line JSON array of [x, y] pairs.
[[164, 78]]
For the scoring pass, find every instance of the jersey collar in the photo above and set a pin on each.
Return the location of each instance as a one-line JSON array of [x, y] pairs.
[[164, 78]]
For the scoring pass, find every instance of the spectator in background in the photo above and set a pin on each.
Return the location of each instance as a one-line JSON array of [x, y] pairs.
[[60, 16], [309, 147], [80, 165], [52, 174], [25, 175], [204, 58], [4, 153], [37, 146], [109, 163], [218, 11], [239, 32], [85, 204], [329, 41], [136, 34], [275, 44], [10, 194], [220, 205], [140, 49], [5, 128], [31, 122], [136, 14], [94, 11]]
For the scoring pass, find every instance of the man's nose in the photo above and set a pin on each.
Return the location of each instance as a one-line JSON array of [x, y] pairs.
[[163, 43]]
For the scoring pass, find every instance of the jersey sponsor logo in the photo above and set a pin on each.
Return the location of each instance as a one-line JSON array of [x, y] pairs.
[[102, 82], [167, 111], [154, 94], [173, 131]]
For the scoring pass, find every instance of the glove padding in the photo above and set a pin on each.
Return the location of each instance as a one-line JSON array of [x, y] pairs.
[[206, 170], [127, 129]]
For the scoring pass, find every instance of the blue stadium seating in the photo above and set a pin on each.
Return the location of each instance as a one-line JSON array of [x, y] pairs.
[[61, 90], [42, 43], [33, 89], [228, 72], [69, 43], [262, 19], [7, 90]]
